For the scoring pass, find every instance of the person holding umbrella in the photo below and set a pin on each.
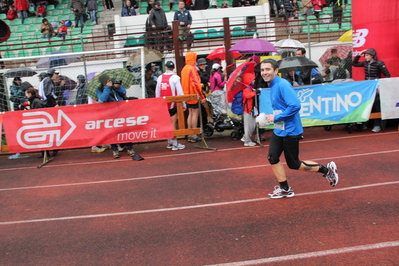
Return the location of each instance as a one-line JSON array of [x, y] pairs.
[[287, 133], [107, 92], [17, 94]]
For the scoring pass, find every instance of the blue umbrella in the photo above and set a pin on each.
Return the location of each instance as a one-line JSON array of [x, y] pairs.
[[63, 60]]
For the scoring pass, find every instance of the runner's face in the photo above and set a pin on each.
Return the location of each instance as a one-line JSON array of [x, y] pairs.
[[267, 72]]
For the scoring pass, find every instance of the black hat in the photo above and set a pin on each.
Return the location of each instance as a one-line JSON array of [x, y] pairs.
[[156, 3], [103, 78], [170, 65], [81, 78], [52, 71], [371, 52], [17, 79], [43, 75], [25, 85], [201, 61]]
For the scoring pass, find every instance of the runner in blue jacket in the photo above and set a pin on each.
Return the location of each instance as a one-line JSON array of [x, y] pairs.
[[287, 133]]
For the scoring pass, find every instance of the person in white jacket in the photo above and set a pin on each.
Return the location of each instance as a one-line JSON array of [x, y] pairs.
[[168, 84]]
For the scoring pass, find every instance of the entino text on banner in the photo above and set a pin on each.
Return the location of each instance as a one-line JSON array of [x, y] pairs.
[[88, 125], [329, 104]]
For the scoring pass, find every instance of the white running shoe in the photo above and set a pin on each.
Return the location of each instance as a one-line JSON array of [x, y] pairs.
[[170, 146], [376, 129], [178, 147], [243, 139], [279, 193], [332, 175], [250, 144], [97, 149]]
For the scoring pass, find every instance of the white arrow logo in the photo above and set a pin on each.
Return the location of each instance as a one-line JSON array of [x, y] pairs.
[[41, 130]]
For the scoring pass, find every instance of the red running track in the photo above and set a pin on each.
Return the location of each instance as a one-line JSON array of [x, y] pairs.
[[200, 207]]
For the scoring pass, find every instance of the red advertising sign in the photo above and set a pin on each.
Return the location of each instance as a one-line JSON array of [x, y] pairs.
[[379, 30], [88, 125]]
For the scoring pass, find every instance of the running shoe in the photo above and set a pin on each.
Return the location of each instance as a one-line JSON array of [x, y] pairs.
[[115, 154], [178, 147], [279, 193], [97, 149], [130, 152], [332, 175], [106, 147], [250, 144], [170, 146]]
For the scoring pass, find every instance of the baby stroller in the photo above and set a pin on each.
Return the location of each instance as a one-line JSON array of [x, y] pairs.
[[222, 117]]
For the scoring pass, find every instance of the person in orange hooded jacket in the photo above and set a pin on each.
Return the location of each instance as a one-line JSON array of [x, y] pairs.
[[248, 95], [191, 83]]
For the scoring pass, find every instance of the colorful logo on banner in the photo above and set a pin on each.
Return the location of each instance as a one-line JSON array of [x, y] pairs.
[[328, 104], [359, 38], [88, 125]]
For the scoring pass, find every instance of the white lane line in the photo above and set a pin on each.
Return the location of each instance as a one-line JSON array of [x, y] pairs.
[[185, 173], [313, 254], [64, 164], [189, 207]]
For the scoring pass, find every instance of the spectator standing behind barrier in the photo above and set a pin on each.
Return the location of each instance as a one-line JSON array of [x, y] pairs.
[[272, 10], [191, 84], [158, 22], [92, 8], [217, 79], [17, 95], [185, 20], [293, 78], [335, 60], [248, 95], [80, 16], [47, 30], [22, 6], [109, 4], [168, 84], [329, 70], [204, 75], [373, 69], [128, 10], [108, 92], [337, 8], [287, 133], [150, 6], [81, 89], [305, 75]]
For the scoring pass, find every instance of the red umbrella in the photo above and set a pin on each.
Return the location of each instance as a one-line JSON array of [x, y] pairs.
[[5, 31], [241, 77], [342, 50], [221, 54]]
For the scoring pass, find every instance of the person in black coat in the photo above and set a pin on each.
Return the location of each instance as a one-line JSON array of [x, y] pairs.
[[373, 69]]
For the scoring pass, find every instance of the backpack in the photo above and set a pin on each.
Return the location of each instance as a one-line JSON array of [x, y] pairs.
[[317, 78], [237, 107], [341, 72], [68, 23]]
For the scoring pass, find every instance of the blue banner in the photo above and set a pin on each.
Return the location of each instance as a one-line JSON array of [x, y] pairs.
[[331, 103]]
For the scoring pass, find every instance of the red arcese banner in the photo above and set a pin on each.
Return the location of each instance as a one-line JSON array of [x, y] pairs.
[[87, 125], [375, 25]]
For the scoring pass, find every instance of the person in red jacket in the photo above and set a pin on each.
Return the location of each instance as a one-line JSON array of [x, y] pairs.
[[41, 11], [62, 30], [11, 13], [22, 6], [248, 95]]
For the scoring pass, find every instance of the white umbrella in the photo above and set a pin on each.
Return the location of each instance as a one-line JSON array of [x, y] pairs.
[[289, 43]]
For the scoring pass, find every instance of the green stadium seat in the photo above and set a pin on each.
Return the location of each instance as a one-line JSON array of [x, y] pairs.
[[50, 8], [221, 32], [334, 27], [87, 31], [36, 52], [62, 6], [175, 8], [346, 26], [313, 20], [77, 48], [66, 12], [30, 45], [33, 28], [20, 29], [141, 40], [16, 22], [143, 10], [199, 35], [50, 50], [23, 53], [305, 29], [130, 42], [237, 31], [9, 54], [75, 31], [100, 9], [29, 21], [213, 33], [64, 48], [56, 12], [145, 4], [25, 37], [3, 16]]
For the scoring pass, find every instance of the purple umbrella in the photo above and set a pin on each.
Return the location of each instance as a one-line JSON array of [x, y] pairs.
[[253, 45], [91, 75]]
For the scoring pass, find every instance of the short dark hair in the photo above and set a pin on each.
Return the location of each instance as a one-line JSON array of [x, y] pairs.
[[303, 50], [272, 62]]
